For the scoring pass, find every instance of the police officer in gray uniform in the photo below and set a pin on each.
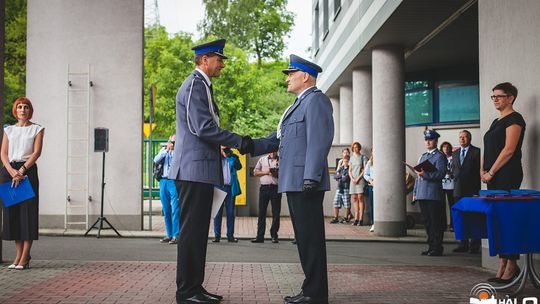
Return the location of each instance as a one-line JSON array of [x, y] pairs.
[[196, 168], [303, 138], [429, 193]]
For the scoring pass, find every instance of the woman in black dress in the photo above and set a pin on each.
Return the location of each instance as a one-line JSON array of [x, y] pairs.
[[21, 147], [501, 169]]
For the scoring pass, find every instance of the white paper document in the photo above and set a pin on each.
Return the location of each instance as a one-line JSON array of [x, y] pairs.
[[219, 198]]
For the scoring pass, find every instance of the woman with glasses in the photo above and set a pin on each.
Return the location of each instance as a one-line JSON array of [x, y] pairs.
[[21, 147], [501, 169]]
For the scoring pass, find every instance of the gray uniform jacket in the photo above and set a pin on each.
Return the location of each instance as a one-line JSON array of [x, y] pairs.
[[307, 131], [197, 156], [429, 187]]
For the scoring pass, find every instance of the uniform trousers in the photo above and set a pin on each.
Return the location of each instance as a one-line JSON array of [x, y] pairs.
[[308, 223], [268, 193], [195, 209], [431, 212], [229, 206]]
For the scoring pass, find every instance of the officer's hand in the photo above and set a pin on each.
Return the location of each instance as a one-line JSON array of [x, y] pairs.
[[247, 145], [310, 186]]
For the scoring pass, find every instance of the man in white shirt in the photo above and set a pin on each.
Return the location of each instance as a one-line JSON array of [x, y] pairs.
[[267, 170]]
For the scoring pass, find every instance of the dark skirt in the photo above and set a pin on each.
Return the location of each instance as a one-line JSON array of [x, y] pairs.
[[21, 221]]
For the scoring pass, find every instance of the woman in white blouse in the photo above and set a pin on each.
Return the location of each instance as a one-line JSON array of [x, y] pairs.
[[21, 147]]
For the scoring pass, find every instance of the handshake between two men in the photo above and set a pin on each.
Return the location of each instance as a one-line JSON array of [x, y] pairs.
[[248, 146]]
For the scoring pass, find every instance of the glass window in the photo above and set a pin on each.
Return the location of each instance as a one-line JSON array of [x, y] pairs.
[[418, 106], [428, 102], [459, 102], [337, 8]]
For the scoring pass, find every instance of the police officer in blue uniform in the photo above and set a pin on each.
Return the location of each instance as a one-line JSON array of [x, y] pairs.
[[196, 168], [303, 138], [429, 193]]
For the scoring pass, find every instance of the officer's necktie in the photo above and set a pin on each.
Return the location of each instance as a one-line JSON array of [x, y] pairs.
[[462, 156]]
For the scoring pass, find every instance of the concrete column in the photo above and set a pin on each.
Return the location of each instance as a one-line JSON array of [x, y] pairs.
[[335, 108], [389, 140], [345, 115], [362, 106]]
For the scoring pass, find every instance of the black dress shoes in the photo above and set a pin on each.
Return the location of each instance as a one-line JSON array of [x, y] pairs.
[[232, 240], [293, 241], [435, 253], [256, 240], [306, 300], [216, 240], [425, 252], [275, 240], [211, 295], [290, 298], [200, 298]]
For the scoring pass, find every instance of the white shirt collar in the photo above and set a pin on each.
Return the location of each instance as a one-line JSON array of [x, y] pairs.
[[465, 148], [205, 76], [431, 151], [302, 93]]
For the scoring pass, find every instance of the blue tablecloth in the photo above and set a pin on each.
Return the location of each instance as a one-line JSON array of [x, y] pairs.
[[511, 226]]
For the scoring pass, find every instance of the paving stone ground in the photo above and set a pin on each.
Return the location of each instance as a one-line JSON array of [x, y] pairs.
[[50, 282]]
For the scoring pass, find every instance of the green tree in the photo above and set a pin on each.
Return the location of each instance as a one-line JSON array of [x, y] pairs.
[[251, 100], [15, 56], [167, 61], [258, 26]]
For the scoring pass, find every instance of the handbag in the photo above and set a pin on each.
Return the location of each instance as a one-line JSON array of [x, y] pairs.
[[158, 169]]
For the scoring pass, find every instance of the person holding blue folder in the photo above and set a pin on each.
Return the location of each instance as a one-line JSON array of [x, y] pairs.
[[21, 147]]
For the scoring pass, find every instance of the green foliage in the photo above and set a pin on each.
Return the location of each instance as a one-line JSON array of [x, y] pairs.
[[15, 56], [167, 61], [258, 26], [250, 100]]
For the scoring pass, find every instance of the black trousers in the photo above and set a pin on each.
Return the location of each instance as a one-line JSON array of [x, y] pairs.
[[431, 212], [268, 193], [195, 207], [308, 223], [474, 244]]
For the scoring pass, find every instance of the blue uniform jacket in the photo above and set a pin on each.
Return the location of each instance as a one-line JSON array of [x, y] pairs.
[[197, 156], [429, 187], [307, 133]]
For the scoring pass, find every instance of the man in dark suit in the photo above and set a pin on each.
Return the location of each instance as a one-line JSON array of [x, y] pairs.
[[303, 138], [466, 180], [197, 167]]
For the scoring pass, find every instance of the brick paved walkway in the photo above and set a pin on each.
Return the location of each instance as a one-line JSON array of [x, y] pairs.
[[153, 282]]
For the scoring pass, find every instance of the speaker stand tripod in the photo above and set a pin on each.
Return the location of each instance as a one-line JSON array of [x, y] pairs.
[[101, 218]]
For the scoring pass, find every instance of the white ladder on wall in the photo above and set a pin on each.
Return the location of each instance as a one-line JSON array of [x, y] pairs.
[[77, 126]]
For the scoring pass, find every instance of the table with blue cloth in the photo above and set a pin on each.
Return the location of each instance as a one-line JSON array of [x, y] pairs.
[[511, 225]]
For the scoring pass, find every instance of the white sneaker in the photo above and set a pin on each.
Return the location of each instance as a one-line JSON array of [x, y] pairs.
[[372, 228]]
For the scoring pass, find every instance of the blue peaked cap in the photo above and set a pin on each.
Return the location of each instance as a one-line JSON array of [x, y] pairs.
[[431, 134], [215, 47], [297, 63]]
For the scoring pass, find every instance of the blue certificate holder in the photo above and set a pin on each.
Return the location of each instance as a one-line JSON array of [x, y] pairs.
[[14, 195]]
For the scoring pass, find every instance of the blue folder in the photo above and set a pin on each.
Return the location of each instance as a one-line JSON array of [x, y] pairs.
[[13, 195]]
